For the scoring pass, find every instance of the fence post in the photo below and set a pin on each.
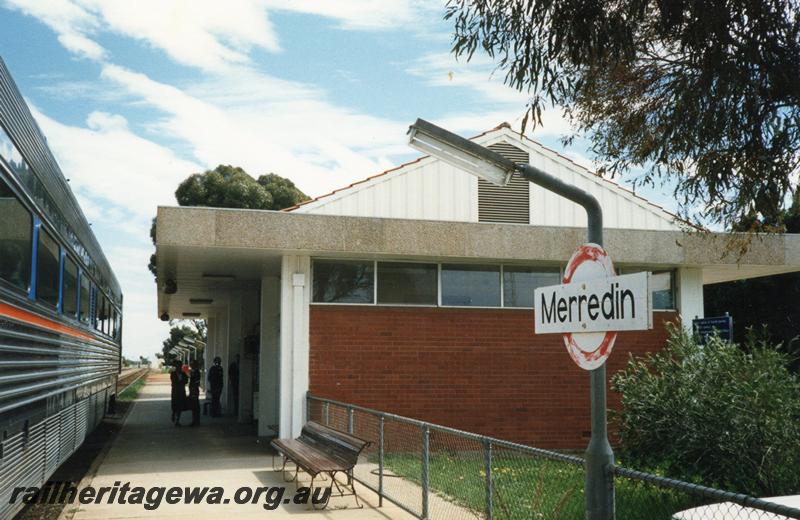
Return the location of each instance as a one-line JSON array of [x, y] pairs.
[[426, 432], [487, 457], [350, 420], [380, 461]]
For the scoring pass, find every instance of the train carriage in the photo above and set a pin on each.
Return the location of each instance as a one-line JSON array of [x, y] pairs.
[[60, 309]]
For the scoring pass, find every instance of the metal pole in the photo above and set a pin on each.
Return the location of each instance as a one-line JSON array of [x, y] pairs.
[[350, 420], [599, 455], [380, 461], [425, 470], [487, 456]]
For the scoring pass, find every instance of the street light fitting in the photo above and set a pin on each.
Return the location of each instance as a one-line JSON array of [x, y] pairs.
[[461, 153]]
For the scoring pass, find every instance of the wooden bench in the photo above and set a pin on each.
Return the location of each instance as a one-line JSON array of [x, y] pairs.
[[321, 450]]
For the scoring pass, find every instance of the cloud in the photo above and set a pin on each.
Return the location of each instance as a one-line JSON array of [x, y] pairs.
[[70, 21], [361, 14], [258, 126], [209, 35], [107, 163]]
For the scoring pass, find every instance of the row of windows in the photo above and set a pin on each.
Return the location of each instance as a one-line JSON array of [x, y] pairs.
[[36, 190], [458, 285], [53, 278]]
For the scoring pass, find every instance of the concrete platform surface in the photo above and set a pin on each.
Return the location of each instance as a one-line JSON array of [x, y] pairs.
[[150, 451]]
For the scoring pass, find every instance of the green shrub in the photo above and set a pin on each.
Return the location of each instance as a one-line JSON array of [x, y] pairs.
[[718, 414]]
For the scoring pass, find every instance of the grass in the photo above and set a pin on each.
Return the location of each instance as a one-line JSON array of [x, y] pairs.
[[132, 391], [525, 487]]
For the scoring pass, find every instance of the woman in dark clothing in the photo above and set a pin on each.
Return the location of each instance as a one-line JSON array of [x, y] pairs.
[[178, 380], [194, 392]]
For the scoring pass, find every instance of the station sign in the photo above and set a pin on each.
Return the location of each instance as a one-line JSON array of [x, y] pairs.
[[617, 303], [592, 305], [705, 327]]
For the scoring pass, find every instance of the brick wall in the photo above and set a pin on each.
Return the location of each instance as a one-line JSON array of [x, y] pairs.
[[480, 370]]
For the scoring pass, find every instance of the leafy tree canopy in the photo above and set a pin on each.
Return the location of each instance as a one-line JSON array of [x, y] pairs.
[[231, 187], [702, 94]]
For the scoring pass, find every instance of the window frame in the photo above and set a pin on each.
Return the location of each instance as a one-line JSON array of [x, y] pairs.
[[32, 242], [503, 265], [366, 261], [438, 303], [65, 257], [500, 281], [673, 282], [36, 296], [437, 299]]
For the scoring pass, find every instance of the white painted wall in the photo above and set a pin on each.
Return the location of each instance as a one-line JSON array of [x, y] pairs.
[[690, 295], [294, 363], [432, 190]]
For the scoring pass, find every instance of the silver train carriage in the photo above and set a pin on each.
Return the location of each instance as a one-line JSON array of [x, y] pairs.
[[60, 309]]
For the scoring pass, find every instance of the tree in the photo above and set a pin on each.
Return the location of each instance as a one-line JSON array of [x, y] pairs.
[[231, 187], [151, 266], [718, 414], [223, 187], [704, 94], [283, 191]]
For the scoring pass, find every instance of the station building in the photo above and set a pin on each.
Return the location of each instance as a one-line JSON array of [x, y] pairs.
[[412, 292]]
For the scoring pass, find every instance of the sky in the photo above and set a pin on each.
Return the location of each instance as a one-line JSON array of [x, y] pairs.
[[133, 97]]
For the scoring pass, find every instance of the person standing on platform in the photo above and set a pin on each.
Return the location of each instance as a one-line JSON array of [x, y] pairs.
[[215, 383], [178, 381], [194, 392], [233, 381]]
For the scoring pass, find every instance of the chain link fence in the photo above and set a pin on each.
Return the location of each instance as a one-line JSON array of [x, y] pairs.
[[435, 472]]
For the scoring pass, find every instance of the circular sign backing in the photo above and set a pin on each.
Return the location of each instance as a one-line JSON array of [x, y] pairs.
[[589, 350]]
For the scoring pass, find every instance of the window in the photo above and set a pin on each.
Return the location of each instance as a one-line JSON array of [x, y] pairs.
[[519, 283], [102, 313], [347, 281], [407, 283], [47, 267], [16, 227], [662, 287], [471, 285], [69, 297], [86, 298], [661, 284]]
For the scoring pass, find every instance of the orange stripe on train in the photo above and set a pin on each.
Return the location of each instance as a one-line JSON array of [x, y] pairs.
[[34, 319]]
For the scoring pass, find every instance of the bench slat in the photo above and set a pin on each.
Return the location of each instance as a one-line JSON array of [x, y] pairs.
[[321, 448]]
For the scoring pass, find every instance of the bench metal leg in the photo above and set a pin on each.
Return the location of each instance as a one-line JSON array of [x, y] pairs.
[[282, 469], [326, 495]]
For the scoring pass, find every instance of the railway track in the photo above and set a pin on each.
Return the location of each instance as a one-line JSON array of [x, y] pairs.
[[128, 377]]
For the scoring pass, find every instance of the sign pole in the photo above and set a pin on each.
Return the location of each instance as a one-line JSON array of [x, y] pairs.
[[600, 500], [599, 455]]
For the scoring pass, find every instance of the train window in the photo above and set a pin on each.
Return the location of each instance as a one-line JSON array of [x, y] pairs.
[[15, 239], [113, 325], [69, 292], [103, 315], [98, 310], [47, 267], [86, 296]]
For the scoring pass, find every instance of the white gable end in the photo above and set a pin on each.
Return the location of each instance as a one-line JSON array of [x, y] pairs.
[[429, 189]]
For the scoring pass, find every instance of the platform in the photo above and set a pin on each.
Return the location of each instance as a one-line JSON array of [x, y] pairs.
[[149, 451]]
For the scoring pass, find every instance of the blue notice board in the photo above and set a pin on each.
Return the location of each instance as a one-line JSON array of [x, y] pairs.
[[705, 327]]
